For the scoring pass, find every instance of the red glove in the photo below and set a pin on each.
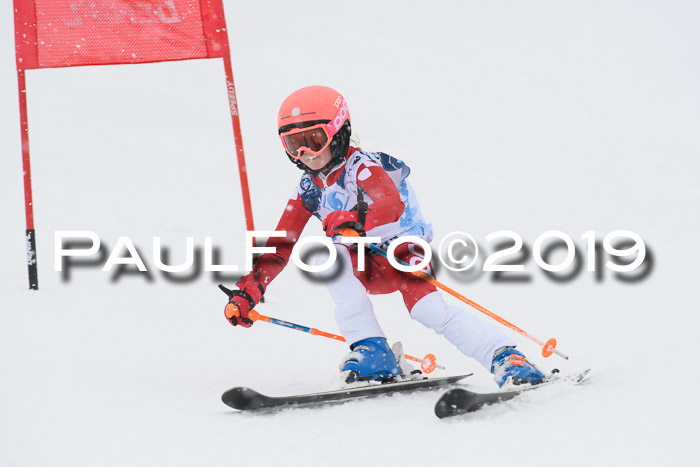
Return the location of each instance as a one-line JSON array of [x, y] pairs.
[[241, 301], [345, 219]]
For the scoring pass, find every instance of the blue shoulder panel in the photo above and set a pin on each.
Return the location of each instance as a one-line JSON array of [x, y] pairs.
[[390, 163]]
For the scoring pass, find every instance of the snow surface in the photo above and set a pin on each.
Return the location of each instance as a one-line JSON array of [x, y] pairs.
[[527, 116]]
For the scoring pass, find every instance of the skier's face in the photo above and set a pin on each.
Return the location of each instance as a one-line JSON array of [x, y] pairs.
[[316, 161]]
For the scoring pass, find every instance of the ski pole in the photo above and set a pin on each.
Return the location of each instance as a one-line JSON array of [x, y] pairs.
[[548, 347], [428, 363]]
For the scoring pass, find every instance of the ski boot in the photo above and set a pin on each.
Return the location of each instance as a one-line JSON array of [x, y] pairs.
[[370, 359], [511, 368]]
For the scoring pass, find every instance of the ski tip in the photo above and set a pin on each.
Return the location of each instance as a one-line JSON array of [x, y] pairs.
[[242, 398], [451, 403]]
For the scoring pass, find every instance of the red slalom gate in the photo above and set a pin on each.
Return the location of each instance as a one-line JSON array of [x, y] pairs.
[[53, 34]]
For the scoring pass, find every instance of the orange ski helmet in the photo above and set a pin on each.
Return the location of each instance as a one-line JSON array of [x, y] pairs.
[[320, 107]]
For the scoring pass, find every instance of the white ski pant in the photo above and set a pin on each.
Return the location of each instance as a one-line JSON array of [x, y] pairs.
[[355, 317]]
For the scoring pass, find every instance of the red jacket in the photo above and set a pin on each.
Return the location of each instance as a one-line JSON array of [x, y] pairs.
[[386, 207]]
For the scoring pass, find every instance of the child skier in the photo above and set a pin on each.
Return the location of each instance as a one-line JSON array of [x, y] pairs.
[[314, 127]]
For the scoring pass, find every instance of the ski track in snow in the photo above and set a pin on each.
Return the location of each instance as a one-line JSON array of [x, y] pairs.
[[527, 117]]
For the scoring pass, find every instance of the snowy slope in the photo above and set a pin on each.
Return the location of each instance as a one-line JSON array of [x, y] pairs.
[[526, 116]]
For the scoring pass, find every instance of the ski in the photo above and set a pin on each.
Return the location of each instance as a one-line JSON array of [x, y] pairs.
[[243, 398], [460, 401]]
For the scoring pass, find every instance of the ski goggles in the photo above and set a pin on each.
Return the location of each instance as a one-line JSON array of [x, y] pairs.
[[311, 140], [314, 139]]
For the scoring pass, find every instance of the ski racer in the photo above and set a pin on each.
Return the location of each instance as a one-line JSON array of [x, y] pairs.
[[314, 128]]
